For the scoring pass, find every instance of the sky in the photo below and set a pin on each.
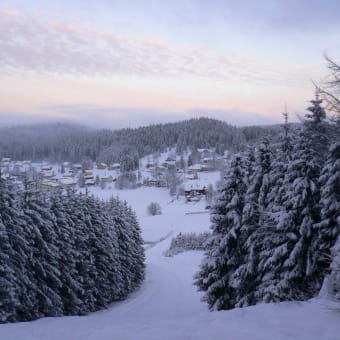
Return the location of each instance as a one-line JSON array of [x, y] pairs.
[[113, 64]]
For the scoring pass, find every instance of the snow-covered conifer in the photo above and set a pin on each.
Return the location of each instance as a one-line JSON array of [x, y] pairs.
[[224, 255]]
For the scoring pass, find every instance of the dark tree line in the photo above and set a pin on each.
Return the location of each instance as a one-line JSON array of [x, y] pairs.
[[277, 219], [65, 254], [63, 142]]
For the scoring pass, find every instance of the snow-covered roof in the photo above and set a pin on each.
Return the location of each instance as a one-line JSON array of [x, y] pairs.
[[51, 184], [195, 167], [194, 186], [68, 181], [48, 174]]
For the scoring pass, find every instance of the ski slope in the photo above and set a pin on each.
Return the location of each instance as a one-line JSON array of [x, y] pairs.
[[167, 305]]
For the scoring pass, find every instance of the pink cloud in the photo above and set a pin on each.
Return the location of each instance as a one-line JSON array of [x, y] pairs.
[[28, 44], [9, 13], [65, 28]]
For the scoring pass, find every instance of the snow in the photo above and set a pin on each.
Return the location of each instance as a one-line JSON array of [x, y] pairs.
[[167, 306]]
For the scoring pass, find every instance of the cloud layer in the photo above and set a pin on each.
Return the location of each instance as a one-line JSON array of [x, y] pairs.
[[28, 44]]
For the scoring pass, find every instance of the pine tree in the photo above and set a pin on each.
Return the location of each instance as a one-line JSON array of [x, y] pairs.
[[289, 264], [246, 276], [224, 255], [69, 255], [17, 290], [45, 254], [328, 228]]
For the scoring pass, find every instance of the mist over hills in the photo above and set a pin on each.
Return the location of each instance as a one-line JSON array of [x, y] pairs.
[[72, 142]]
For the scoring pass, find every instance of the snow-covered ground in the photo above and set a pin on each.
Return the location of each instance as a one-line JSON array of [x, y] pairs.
[[167, 306]]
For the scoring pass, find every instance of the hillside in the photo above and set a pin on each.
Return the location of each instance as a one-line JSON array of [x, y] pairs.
[[167, 306], [66, 142]]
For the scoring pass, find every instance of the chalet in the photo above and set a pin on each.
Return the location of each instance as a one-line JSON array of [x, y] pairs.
[[108, 179], [69, 174], [46, 168], [6, 160], [158, 183], [48, 174], [195, 189], [169, 163], [114, 166], [195, 168], [207, 167], [101, 166], [67, 164], [27, 162], [88, 173], [50, 185], [193, 198], [207, 160], [191, 177], [90, 181], [77, 166], [205, 152], [68, 182], [88, 177], [150, 165]]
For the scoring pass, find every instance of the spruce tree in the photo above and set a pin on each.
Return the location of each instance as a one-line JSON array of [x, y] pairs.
[[245, 277], [328, 228], [225, 253], [45, 253]]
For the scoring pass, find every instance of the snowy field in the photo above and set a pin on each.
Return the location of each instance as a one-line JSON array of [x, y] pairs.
[[167, 306]]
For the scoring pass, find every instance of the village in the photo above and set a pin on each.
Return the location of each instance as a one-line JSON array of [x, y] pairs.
[[192, 174]]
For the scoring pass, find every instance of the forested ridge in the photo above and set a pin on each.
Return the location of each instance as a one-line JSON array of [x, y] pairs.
[[66, 142]]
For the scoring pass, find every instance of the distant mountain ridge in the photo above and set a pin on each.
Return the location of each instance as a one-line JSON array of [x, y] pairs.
[[75, 143]]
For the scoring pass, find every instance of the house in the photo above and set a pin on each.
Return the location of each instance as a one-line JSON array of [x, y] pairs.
[[89, 177], [88, 173], [108, 179], [158, 183], [101, 166], [69, 174], [195, 168], [68, 182], [207, 160], [27, 162], [90, 181], [195, 189], [207, 167], [48, 174], [205, 152], [46, 167], [191, 177], [50, 185], [169, 163], [77, 166], [114, 166], [193, 198], [150, 165]]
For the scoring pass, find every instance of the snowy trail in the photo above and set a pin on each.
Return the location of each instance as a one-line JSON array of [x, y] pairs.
[[167, 305]]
